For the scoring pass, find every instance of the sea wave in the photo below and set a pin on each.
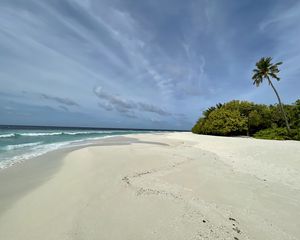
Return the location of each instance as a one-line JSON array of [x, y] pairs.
[[39, 134], [18, 146], [39, 149], [36, 151], [83, 133], [7, 135]]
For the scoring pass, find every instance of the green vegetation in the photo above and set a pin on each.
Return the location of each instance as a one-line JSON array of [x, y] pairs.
[[237, 118], [246, 118], [278, 134]]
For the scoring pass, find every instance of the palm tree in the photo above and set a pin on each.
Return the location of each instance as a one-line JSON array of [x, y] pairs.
[[264, 70]]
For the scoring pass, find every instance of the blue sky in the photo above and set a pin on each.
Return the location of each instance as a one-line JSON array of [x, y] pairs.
[[140, 64]]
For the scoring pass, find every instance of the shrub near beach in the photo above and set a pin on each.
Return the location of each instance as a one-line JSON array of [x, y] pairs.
[[247, 118]]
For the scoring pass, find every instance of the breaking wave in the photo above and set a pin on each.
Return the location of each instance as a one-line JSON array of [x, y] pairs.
[[18, 146], [38, 134]]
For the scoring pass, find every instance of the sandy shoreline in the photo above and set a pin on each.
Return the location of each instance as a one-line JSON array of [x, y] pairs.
[[156, 186]]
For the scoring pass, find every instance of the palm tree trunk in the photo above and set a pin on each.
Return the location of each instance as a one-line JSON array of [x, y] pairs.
[[281, 107]]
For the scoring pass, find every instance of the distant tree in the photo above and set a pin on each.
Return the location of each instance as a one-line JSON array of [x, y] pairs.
[[224, 122], [211, 109], [244, 107], [254, 121], [293, 111], [297, 113], [197, 128], [219, 105], [208, 111], [265, 69], [241, 117]]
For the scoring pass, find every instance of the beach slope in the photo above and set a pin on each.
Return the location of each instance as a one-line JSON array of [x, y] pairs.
[[159, 186]]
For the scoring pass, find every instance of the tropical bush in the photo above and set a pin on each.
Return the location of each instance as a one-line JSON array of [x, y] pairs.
[[272, 133], [224, 122], [278, 134], [247, 118]]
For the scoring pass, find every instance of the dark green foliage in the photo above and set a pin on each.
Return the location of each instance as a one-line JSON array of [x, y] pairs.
[[265, 69], [293, 113], [246, 118], [225, 122], [278, 134]]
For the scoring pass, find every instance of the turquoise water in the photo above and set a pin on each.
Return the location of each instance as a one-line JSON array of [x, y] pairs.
[[17, 145]]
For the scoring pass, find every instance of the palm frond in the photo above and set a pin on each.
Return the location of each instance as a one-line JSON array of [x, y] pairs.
[[264, 70], [274, 76]]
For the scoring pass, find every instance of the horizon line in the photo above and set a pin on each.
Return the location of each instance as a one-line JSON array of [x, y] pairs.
[[91, 128]]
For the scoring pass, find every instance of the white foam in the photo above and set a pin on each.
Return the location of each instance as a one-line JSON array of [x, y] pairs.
[[17, 146], [36, 151], [62, 133], [39, 150], [7, 135], [40, 134], [82, 133]]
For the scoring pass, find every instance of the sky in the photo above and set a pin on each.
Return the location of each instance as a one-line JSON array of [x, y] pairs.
[[140, 64]]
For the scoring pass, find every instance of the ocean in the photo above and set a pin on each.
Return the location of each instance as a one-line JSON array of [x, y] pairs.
[[20, 143]]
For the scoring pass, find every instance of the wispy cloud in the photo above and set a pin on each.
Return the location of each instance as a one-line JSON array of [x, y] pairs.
[[64, 108], [65, 101], [125, 106], [152, 109], [105, 106]]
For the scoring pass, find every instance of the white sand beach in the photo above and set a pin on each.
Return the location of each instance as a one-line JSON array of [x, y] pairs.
[[156, 186]]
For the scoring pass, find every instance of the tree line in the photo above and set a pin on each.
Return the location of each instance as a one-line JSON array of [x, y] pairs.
[[246, 118], [237, 118]]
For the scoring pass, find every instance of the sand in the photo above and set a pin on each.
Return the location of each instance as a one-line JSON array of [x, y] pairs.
[[156, 186]]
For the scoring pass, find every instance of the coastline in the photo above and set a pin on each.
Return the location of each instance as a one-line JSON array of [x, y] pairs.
[[18, 145], [24, 176], [155, 186]]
